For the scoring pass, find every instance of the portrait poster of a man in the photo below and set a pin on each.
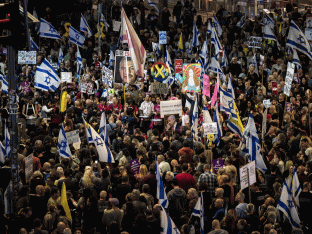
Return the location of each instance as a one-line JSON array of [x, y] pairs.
[[124, 70]]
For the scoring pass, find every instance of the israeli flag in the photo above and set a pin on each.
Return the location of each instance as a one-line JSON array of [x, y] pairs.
[[46, 77], [84, 27], [103, 20], [199, 212], [269, 35], [206, 115], [268, 21], [215, 40], [111, 59], [295, 187], [194, 119], [230, 88], [166, 223], [76, 37], [255, 63], [60, 58], [296, 60], [214, 66], [297, 40], [5, 84], [224, 61], [153, 4], [241, 22], [33, 45], [286, 204], [48, 31], [168, 62], [161, 193], [216, 119], [101, 146], [204, 51], [102, 129], [2, 153], [7, 140], [104, 93], [79, 62], [209, 28], [195, 41], [253, 144], [170, 80], [217, 25], [62, 144]]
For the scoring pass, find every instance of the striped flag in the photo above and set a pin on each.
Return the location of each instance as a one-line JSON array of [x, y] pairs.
[[136, 48], [199, 212], [48, 31], [195, 39], [216, 119], [33, 45], [62, 144], [84, 27], [194, 119], [217, 25], [7, 140], [161, 193], [166, 223]]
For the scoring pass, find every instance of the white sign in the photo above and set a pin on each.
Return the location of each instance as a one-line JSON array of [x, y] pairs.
[[247, 172], [107, 76], [116, 25], [27, 57], [89, 88], [82, 87], [122, 53], [162, 37], [254, 42], [73, 136], [170, 108], [267, 103], [289, 78], [66, 77], [308, 34], [210, 128]]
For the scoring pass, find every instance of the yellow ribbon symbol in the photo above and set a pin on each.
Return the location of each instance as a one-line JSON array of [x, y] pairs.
[[159, 71], [210, 138]]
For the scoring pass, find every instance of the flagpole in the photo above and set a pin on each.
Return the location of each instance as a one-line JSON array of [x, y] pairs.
[[99, 28], [309, 112]]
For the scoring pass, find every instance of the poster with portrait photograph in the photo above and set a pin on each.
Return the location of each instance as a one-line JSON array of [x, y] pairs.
[[172, 122], [124, 70], [191, 77]]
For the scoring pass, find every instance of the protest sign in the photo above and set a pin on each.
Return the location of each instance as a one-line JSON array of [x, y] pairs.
[[159, 88], [309, 21], [289, 78], [135, 166], [289, 107], [66, 77], [150, 57], [107, 76], [254, 42], [267, 103], [247, 174], [206, 85], [191, 77], [170, 108], [210, 128], [27, 57], [82, 87], [89, 87], [162, 37], [116, 25], [72, 136], [216, 165], [178, 66]]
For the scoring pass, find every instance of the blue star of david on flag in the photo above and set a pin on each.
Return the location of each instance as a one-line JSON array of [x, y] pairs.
[[47, 30], [98, 141], [63, 145], [47, 80], [301, 39]]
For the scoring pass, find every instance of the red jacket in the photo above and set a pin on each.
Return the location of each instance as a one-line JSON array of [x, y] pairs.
[[188, 155], [186, 181]]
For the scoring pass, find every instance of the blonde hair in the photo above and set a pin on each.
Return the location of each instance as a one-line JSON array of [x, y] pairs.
[[143, 170], [232, 173], [86, 179]]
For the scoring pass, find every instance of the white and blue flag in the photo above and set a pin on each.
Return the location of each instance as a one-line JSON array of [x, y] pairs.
[[254, 63], [104, 93], [241, 22], [224, 61], [214, 66], [5, 84], [204, 51], [215, 40], [62, 144], [46, 77], [79, 62], [7, 140], [252, 144], [153, 4], [298, 41], [84, 27], [60, 58], [286, 204], [296, 59], [101, 145], [216, 119], [48, 31], [269, 34], [103, 20], [217, 25], [2, 153], [230, 87], [195, 39], [161, 193], [295, 187], [267, 20], [76, 37], [169, 64], [33, 45], [199, 212], [209, 28], [194, 119], [111, 59], [166, 224]]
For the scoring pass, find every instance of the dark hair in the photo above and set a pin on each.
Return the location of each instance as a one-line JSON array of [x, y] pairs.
[[184, 167], [125, 178], [175, 182], [68, 172]]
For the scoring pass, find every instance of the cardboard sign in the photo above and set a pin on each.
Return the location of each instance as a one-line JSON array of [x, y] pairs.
[[178, 66], [206, 85], [289, 78], [216, 165], [66, 77], [27, 57], [170, 108], [135, 166], [116, 25], [247, 172], [73, 136], [267, 103], [162, 37], [159, 88], [210, 128], [254, 42]]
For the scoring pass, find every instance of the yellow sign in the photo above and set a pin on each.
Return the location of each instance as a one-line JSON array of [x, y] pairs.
[[210, 139], [66, 26], [101, 30]]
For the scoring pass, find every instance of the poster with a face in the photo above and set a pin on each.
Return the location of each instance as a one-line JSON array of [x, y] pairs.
[[191, 77], [124, 70], [172, 122]]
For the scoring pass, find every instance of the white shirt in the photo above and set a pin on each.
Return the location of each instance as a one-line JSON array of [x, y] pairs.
[[147, 108]]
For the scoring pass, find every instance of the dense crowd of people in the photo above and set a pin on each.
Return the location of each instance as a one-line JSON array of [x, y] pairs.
[[112, 197]]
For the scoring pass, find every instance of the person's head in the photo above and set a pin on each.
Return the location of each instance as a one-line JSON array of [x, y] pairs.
[[219, 192], [40, 190], [127, 76], [240, 197], [175, 182], [207, 167], [160, 158], [103, 195], [218, 203], [192, 194], [114, 202], [60, 227], [171, 120]]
